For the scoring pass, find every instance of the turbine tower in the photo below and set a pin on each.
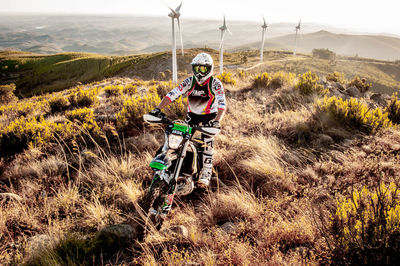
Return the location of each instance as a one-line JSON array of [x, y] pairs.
[[175, 14], [264, 28], [295, 39], [223, 28]]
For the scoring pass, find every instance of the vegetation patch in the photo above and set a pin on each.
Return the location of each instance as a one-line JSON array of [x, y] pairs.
[[353, 113], [226, 78], [7, 93], [308, 84], [83, 98], [366, 227], [394, 109]]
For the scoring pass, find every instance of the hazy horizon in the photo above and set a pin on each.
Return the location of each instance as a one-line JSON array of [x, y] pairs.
[[358, 15]]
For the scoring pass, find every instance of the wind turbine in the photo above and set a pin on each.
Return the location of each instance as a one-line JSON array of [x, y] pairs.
[[295, 40], [264, 28], [175, 14], [223, 28]]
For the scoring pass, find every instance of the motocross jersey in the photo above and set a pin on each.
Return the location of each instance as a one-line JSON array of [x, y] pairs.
[[202, 99]]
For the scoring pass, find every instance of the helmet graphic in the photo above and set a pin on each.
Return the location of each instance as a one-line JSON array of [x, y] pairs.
[[203, 67]]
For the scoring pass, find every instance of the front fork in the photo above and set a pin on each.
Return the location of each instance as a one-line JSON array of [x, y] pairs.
[[170, 194]]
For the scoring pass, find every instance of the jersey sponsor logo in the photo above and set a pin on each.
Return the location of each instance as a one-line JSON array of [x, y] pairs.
[[198, 93]]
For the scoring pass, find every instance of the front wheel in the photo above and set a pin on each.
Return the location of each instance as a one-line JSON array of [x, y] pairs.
[[152, 203]]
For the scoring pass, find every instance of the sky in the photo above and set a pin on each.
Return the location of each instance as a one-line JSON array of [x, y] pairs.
[[378, 16]]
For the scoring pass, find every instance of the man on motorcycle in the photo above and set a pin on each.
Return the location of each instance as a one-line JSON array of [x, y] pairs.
[[206, 105]]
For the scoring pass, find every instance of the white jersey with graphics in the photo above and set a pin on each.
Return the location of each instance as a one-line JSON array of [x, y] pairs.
[[205, 99]]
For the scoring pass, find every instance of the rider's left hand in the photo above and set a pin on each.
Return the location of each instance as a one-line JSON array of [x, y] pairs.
[[212, 123]]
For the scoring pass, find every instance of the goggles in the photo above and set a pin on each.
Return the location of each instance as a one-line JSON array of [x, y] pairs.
[[201, 69]]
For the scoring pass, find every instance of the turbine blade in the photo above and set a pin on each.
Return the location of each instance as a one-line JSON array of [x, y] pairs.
[[172, 10], [264, 20], [180, 35], [229, 31], [224, 20], [179, 7]]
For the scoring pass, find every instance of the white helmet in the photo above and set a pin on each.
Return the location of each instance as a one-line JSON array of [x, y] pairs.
[[202, 66]]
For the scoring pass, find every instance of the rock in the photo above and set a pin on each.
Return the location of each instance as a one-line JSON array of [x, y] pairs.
[[353, 92], [324, 139], [179, 230], [377, 97], [37, 243], [228, 227], [367, 149], [119, 232], [339, 86], [338, 94]]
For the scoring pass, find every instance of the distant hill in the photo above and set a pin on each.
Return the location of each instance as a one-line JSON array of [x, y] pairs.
[[370, 46], [125, 35]]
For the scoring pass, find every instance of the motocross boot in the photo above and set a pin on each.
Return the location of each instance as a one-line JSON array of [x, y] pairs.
[[206, 172]]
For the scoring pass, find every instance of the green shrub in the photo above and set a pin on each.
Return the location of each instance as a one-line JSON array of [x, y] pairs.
[[366, 227], [353, 114], [361, 84], [7, 93], [113, 91], [394, 109], [308, 84], [261, 81], [335, 77], [83, 98], [58, 104], [226, 78], [135, 107]]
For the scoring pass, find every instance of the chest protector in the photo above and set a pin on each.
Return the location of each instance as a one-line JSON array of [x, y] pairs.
[[201, 97]]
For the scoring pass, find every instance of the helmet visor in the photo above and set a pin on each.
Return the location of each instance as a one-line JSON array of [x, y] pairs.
[[201, 69]]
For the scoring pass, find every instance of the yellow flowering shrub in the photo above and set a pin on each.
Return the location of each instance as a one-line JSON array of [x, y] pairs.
[[85, 117], [261, 80], [58, 104], [83, 98], [361, 84], [113, 91], [130, 89], [366, 227], [278, 79], [135, 107], [23, 133], [308, 84], [353, 113], [394, 109], [335, 77], [226, 78]]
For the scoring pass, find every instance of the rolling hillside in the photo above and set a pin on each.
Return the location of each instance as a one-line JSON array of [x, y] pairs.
[[35, 73], [125, 35]]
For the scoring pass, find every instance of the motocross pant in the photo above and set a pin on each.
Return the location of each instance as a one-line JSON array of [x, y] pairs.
[[208, 153]]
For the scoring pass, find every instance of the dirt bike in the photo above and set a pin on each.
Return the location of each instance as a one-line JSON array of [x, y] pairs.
[[176, 166]]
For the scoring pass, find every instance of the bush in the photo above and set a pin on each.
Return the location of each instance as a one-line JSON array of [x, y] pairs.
[[113, 91], [366, 227], [394, 109], [335, 77], [7, 93], [278, 79], [324, 54], [58, 104], [261, 81], [353, 114], [308, 84], [83, 98], [242, 74], [226, 78], [360, 84], [23, 133], [135, 107], [85, 117], [130, 89]]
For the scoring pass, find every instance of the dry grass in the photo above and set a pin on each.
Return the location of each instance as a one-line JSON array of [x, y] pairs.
[[282, 164]]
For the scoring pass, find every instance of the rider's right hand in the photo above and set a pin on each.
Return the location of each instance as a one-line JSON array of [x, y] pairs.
[[157, 112]]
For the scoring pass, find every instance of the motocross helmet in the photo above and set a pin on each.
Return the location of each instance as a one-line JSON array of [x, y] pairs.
[[202, 66]]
